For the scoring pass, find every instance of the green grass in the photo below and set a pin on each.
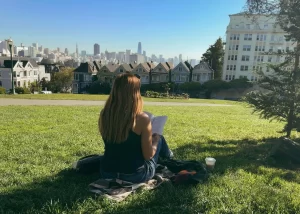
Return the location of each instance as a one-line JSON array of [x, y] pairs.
[[38, 145], [104, 97]]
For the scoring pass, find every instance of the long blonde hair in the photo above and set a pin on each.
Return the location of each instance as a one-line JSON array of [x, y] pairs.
[[120, 110]]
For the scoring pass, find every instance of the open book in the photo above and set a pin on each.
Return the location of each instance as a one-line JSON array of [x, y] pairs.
[[158, 123]]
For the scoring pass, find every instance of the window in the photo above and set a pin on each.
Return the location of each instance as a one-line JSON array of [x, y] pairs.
[[180, 68], [19, 84], [121, 70], [76, 76], [231, 67], [35, 72], [235, 37], [271, 49], [261, 37], [260, 58], [226, 77], [140, 70], [233, 77], [237, 47], [259, 48], [229, 77], [228, 57], [248, 37], [269, 59], [247, 48], [227, 68], [234, 67], [0, 83], [244, 67], [266, 26], [272, 38], [252, 78], [245, 58], [248, 26], [287, 49]]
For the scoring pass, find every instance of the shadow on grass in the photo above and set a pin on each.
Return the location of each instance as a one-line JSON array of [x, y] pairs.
[[67, 190]]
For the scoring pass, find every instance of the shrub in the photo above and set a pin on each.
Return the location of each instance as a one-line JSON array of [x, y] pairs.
[[2, 90], [190, 86], [20, 90], [99, 87]]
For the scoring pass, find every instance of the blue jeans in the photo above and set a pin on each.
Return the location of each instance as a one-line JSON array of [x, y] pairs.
[[147, 171]]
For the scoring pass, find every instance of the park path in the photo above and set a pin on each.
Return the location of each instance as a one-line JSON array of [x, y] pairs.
[[31, 102]]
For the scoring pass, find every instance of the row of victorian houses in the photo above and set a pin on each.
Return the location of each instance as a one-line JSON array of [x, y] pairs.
[[148, 72]]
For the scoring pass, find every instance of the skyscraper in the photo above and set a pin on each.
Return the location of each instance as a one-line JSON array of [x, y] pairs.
[[96, 49], [127, 56], [180, 57], [83, 53], [46, 51], [66, 51], [58, 49], [139, 48]]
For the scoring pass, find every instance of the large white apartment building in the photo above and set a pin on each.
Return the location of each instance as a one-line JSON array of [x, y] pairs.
[[247, 40]]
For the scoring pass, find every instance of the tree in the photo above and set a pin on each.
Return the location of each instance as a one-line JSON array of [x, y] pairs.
[[282, 98], [62, 81], [190, 67], [214, 56]]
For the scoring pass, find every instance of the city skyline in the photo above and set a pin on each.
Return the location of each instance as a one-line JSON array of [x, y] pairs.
[[186, 29]]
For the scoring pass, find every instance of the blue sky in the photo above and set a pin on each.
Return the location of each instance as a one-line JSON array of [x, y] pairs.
[[167, 27]]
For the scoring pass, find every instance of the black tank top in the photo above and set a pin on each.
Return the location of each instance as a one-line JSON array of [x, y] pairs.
[[125, 157]]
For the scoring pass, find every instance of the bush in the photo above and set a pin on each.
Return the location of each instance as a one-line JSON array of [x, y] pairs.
[[2, 90], [99, 87], [154, 94], [190, 87], [20, 90]]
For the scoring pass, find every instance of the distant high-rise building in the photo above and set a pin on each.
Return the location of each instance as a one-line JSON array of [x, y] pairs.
[[58, 49], [160, 58], [46, 51], [180, 57], [127, 56], [139, 48], [193, 62], [76, 54], [136, 58], [32, 51], [96, 49], [35, 45], [66, 51], [121, 57], [41, 48], [83, 53], [176, 61]]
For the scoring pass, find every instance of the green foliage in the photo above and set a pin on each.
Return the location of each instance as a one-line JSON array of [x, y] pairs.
[[21, 90], [36, 176], [214, 56], [281, 91], [2, 90], [158, 87], [190, 87], [99, 87], [61, 81], [153, 94], [241, 83]]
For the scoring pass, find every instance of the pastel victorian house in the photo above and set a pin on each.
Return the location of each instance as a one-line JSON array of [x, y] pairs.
[[181, 73], [161, 72], [202, 73]]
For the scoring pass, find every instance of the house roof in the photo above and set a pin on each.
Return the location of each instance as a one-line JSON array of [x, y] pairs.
[[97, 64], [204, 64], [7, 63], [86, 67], [111, 67], [47, 61], [127, 67], [166, 65], [183, 65]]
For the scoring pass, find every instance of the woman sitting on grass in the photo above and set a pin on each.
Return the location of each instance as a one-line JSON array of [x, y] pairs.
[[131, 151]]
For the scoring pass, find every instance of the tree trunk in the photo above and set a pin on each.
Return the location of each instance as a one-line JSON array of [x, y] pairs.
[[286, 150], [293, 90]]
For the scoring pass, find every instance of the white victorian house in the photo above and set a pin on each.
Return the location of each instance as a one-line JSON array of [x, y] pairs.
[[202, 73], [143, 70], [181, 73], [26, 71], [161, 72]]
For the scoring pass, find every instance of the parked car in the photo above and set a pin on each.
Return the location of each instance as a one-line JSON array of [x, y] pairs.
[[46, 92]]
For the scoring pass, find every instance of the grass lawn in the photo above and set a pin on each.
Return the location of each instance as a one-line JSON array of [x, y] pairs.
[[104, 97], [38, 145]]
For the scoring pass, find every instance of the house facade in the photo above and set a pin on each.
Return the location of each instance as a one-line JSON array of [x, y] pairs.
[[202, 73], [83, 76], [26, 71], [161, 72], [181, 73], [108, 72]]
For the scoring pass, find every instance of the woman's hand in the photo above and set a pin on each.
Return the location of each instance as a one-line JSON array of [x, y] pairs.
[[155, 139]]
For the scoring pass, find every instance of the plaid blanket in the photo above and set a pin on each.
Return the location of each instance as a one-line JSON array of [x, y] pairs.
[[118, 190]]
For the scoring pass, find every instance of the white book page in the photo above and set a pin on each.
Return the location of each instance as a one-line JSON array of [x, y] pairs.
[[158, 124]]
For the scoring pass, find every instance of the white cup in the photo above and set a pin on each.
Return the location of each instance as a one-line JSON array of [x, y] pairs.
[[210, 163]]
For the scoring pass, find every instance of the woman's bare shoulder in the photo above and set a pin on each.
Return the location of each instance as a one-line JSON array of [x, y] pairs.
[[142, 118]]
